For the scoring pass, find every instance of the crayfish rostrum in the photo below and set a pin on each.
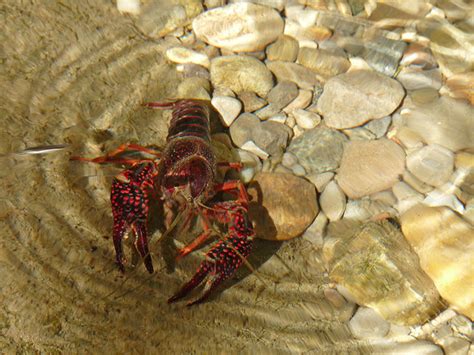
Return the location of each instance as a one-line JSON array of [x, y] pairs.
[[183, 179]]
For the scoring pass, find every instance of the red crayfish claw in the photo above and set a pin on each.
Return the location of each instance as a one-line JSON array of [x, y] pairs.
[[227, 255], [129, 199]]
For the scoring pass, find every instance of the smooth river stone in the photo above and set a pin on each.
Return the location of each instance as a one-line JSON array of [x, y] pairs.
[[375, 263], [323, 62], [241, 27], [241, 73], [282, 205], [319, 149], [444, 243], [370, 166], [444, 121], [432, 164], [285, 49], [303, 77], [351, 99]]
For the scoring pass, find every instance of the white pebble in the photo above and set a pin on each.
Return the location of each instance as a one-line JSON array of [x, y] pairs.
[[228, 107], [247, 174], [129, 6], [306, 119], [333, 201], [366, 324], [183, 55], [253, 148]]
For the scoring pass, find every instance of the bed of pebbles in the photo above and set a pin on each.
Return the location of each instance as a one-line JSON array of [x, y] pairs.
[[346, 114]]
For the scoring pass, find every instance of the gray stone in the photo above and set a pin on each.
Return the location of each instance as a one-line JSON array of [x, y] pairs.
[[319, 149], [271, 137], [282, 94]]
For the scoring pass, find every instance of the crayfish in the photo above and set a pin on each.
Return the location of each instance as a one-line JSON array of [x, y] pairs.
[[183, 176]]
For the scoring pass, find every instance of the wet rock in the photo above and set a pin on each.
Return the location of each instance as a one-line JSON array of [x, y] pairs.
[[298, 170], [323, 62], [321, 180], [300, 102], [276, 4], [284, 49], [365, 209], [128, 6], [413, 79], [315, 232], [442, 121], [158, 19], [289, 159], [183, 55], [379, 126], [431, 164], [375, 263], [319, 149], [306, 119], [352, 99], [333, 201], [310, 34], [194, 70], [460, 86], [241, 73], [228, 108], [241, 27], [381, 53], [406, 196], [282, 206], [367, 324], [445, 246], [419, 56], [282, 94], [268, 111], [251, 101], [370, 166], [301, 76], [414, 182], [455, 345], [415, 347], [271, 137], [194, 88], [359, 134]]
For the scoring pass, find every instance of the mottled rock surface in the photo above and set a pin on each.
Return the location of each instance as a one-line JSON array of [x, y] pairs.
[[319, 149], [380, 269]]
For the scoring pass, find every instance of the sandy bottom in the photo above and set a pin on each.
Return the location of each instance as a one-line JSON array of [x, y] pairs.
[[76, 72]]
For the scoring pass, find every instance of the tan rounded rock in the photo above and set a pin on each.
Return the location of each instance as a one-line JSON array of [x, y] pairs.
[[240, 74], [370, 166], [240, 27], [444, 243], [351, 99], [282, 205]]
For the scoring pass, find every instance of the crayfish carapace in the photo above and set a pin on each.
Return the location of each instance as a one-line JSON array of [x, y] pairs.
[[183, 176]]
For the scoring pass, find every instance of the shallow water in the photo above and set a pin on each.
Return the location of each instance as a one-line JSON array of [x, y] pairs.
[[76, 73]]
